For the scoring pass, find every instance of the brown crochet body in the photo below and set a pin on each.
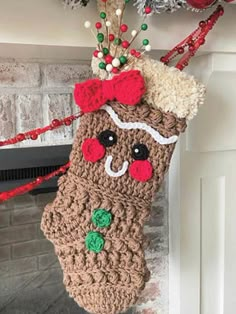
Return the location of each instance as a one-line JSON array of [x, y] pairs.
[[108, 282]]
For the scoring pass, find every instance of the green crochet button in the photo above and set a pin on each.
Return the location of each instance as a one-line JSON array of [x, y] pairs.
[[94, 241], [101, 218]]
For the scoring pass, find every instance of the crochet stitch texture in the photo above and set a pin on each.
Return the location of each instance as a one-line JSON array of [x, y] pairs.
[[110, 281]]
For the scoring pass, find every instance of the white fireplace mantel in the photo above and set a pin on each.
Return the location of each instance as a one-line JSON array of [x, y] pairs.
[[48, 23]]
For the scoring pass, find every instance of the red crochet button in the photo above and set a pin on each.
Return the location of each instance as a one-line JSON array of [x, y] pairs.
[[141, 170], [92, 150]]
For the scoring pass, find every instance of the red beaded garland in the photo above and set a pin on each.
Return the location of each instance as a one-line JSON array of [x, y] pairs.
[[193, 41], [4, 196], [33, 134]]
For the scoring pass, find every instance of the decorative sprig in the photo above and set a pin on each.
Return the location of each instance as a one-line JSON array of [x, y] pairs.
[[113, 50]]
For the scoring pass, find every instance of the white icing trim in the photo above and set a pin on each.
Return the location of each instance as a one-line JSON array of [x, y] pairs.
[[117, 174], [139, 125]]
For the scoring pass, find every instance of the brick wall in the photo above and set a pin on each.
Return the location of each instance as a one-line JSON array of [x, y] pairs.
[[31, 95]]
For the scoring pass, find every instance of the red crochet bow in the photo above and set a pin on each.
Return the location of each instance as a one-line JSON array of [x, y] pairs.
[[127, 88]]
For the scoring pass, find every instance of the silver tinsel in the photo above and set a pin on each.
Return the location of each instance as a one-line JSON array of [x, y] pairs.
[[159, 6], [74, 4]]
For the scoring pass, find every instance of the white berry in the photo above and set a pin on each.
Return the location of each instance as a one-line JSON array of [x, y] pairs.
[[148, 48], [118, 12], [134, 33], [116, 62], [100, 55], [108, 23], [109, 68], [87, 24]]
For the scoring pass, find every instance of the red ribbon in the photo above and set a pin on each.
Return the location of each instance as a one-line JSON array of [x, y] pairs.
[[127, 88]]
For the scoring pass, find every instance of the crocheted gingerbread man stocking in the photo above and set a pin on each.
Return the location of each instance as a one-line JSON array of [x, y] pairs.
[[119, 158]]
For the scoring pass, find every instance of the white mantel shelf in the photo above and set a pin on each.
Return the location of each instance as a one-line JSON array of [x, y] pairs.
[[46, 22]]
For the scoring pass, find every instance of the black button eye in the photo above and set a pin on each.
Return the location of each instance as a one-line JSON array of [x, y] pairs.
[[140, 152], [107, 138]]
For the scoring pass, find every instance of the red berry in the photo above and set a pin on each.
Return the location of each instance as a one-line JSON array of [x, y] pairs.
[[95, 53], [98, 25], [125, 44], [92, 150], [108, 59], [141, 170], [133, 52], [115, 71], [148, 10], [111, 37], [138, 54], [124, 28]]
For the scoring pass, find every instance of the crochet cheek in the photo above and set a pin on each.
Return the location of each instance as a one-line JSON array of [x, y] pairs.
[[141, 170], [92, 150]]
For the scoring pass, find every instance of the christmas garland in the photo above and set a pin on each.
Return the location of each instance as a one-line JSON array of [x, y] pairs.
[[74, 4], [157, 6]]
